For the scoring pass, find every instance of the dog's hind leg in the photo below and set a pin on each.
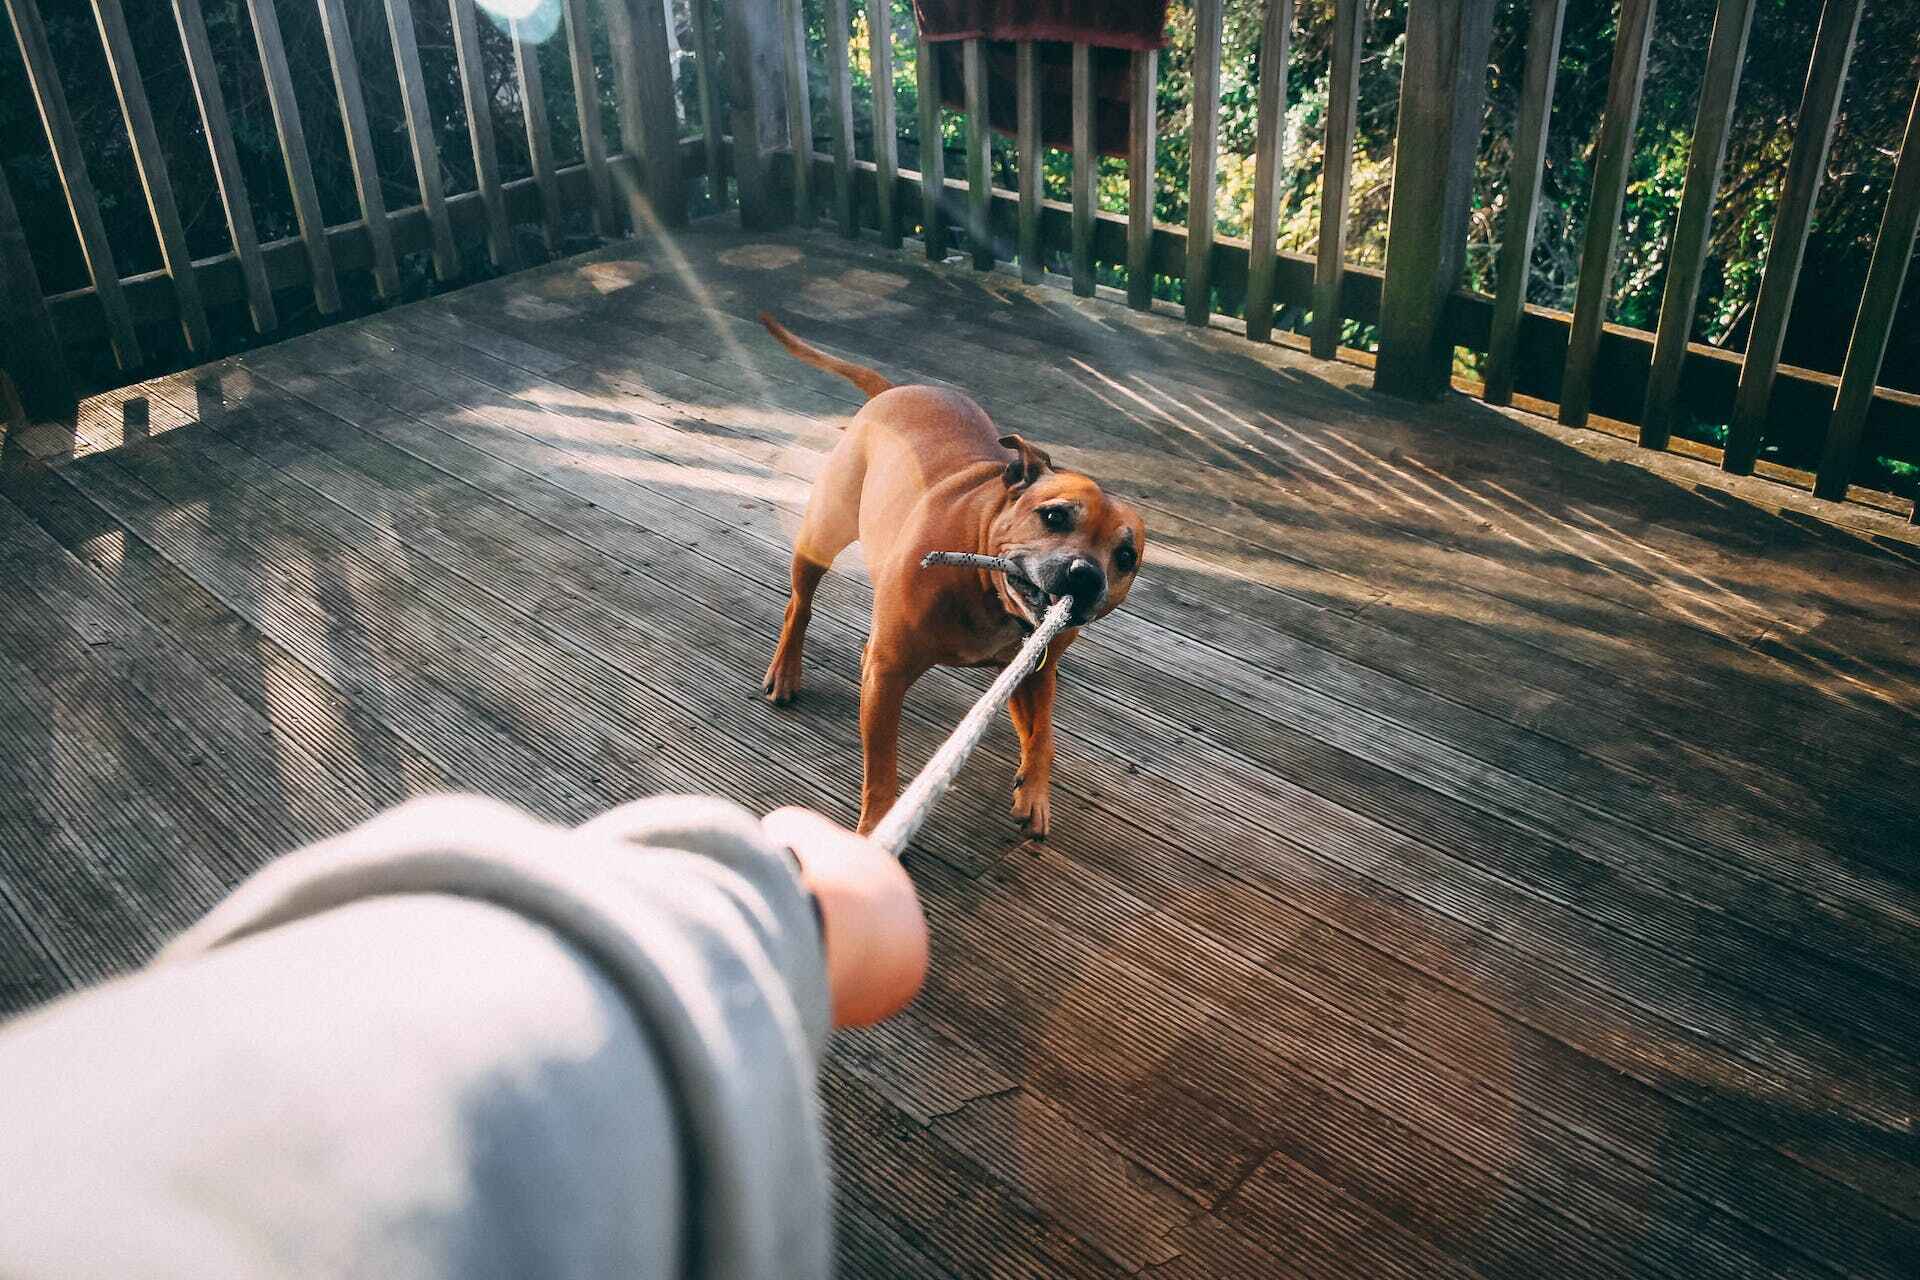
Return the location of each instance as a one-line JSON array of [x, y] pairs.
[[831, 525]]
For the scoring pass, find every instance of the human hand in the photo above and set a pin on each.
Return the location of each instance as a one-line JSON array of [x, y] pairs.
[[875, 932]]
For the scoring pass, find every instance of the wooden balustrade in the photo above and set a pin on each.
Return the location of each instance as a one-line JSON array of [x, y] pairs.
[[1578, 361]]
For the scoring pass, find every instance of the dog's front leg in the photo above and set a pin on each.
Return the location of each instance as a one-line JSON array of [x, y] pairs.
[[883, 689], [1032, 708]]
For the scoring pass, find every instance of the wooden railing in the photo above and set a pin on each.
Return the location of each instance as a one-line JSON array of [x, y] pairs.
[[1574, 361], [647, 175]]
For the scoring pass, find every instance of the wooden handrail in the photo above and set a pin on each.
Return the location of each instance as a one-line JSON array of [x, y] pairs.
[[1573, 360]]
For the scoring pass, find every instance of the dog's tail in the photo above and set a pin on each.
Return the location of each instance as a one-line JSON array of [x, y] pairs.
[[859, 375]]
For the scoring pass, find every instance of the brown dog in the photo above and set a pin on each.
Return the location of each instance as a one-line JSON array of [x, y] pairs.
[[921, 469]]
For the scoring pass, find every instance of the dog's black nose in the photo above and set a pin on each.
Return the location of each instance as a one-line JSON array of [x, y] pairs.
[[1085, 582]]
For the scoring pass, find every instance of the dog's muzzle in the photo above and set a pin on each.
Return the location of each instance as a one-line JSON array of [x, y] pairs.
[[1078, 577]]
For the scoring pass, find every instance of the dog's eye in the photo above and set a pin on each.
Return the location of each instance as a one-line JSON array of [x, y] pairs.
[[1058, 519], [1125, 558]]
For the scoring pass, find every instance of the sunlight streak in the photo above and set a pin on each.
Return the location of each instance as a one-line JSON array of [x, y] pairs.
[[1157, 411]]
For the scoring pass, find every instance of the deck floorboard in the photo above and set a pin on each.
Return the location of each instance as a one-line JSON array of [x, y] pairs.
[[1477, 850]]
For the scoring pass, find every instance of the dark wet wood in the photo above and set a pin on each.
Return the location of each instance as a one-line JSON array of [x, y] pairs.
[[1480, 847]]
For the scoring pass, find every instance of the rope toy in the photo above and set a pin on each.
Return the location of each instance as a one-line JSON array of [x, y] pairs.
[[897, 830]]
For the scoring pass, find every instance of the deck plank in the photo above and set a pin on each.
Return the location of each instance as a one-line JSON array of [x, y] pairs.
[[1470, 857], [469, 409], [1896, 962]]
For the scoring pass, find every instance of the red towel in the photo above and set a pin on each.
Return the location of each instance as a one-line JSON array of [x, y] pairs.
[[1115, 29]]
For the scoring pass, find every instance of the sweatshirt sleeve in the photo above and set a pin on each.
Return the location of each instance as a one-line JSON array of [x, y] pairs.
[[453, 1042]]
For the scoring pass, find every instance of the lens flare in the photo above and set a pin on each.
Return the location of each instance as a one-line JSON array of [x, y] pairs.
[[531, 21]]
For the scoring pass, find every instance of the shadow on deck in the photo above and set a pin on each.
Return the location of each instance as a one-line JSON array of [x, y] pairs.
[[1479, 848]]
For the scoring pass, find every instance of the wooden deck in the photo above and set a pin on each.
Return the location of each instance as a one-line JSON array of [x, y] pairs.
[[1479, 848]]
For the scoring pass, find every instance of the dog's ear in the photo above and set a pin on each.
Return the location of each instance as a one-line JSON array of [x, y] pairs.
[[1028, 461]]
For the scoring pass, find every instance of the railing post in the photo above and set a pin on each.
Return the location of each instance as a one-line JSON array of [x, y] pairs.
[[799, 108], [1873, 325], [1203, 162], [649, 116], [29, 348], [756, 76], [1336, 172], [1793, 219], [1442, 92], [1523, 198], [1693, 228]]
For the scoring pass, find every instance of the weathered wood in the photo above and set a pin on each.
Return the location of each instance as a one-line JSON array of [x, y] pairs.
[[1442, 91], [533, 108], [1269, 148], [360, 157], [293, 153], [793, 17], [1145, 70], [973, 71], [1612, 166], [1692, 228], [479, 109], [204, 75], [420, 138], [659, 132], [706, 72], [1523, 197], [1792, 220], [29, 348], [69, 160], [840, 110], [586, 99], [1873, 325], [77, 314], [886, 139], [151, 164], [1028, 157], [1086, 166], [1203, 143], [1336, 175], [484, 545], [933, 156], [756, 84]]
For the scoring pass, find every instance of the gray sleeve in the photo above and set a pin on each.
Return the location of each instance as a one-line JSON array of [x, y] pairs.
[[455, 1041]]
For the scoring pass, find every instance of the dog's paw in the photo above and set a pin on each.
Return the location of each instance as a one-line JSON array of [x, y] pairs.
[[782, 684], [1033, 809]]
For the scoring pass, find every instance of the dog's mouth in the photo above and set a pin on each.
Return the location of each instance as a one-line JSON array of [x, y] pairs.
[[1022, 596]]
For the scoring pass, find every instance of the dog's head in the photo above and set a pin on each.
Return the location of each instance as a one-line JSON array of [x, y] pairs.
[[1068, 537]]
